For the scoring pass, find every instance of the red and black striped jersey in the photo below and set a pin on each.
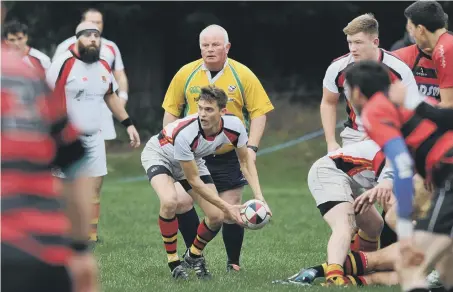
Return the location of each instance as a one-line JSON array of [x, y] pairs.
[[35, 134], [423, 68], [428, 142]]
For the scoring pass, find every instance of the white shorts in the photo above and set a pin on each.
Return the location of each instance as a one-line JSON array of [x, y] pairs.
[[107, 123], [328, 184], [350, 136], [153, 155], [95, 164]]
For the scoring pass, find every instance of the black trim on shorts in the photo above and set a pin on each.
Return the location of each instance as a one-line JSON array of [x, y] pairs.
[[327, 206], [156, 170], [207, 179]]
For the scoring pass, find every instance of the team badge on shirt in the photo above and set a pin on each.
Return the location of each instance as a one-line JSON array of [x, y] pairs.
[[231, 88], [104, 79]]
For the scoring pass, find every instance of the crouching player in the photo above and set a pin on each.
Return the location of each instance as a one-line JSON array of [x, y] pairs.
[[175, 154], [335, 181], [377, 267]]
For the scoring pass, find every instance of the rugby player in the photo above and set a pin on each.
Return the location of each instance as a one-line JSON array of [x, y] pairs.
[[175, 154], [247, 100], [109, 52], [431, 146], [334, 181], [16, 37], [426, 23], [422, 66], [84, 82]]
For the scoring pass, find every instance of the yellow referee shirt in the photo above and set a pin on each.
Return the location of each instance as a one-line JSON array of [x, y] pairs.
[[246, 96]]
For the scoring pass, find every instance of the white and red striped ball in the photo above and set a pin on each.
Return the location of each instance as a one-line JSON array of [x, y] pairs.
[[255, 214]]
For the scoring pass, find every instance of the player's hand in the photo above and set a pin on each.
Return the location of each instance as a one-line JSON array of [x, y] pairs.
[[397, 93], [134, 138], [233, 213], [252, 154], [84, 272], [410, 256], [381, 193], [332, 146]]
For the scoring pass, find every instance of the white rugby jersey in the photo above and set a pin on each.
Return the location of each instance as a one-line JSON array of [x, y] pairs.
[[362, 161], [184, 139], [109, 52], [84, 87], [334, 81], [37, 60]]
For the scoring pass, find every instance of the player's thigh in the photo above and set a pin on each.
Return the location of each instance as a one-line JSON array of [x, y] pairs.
[[341, 216], [163, 185], [95, 163], [233, 196], [371, 222]]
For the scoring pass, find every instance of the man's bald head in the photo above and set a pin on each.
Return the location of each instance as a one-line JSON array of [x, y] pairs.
[[215, 30], [214, 45]]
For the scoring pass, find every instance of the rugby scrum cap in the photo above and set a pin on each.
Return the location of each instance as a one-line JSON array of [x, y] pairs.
[[86, 26]]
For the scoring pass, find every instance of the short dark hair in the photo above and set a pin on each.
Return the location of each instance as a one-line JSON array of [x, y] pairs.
[[429, 13], [93, 10], [14, 27], [211, 93], [369, 76]]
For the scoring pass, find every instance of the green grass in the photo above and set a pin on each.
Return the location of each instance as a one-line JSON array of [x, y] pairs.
[[132, 257]]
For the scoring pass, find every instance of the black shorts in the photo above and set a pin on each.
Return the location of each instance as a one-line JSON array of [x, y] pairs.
[[440, 216], [22, 272], [225, 171], [160, 169]]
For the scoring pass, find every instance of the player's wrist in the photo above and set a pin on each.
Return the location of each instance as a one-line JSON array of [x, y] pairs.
[[123, 95], [254, 148], [404, 228], [127, 122]]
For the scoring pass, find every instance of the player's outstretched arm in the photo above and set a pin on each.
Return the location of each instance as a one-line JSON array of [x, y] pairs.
[[193, 178], [328, 111], [248, 168]]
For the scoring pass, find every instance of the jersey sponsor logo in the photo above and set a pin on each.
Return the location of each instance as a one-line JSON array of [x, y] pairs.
[[429, 90], [195, 90], [79, 94], [104, 79], [231, 88], [425, 72]]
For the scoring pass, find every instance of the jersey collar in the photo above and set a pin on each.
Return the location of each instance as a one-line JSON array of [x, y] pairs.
[[210, 138], [212, 80]]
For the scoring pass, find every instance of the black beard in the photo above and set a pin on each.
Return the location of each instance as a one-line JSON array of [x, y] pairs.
[[89, 54]]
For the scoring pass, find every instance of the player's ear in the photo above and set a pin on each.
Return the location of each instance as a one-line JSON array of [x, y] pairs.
[[376, 41], [223, 111], [227, 47]]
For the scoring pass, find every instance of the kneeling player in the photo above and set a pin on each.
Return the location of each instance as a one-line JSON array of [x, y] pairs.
[[334, 181], [175, 154]]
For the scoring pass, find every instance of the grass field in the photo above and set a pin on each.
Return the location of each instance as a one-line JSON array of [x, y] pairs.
[[132, 257]]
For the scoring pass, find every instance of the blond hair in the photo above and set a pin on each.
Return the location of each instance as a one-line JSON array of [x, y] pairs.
[[365, 23]]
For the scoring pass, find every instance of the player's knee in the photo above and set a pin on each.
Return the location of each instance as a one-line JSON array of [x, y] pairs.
[[169, 204], [185, 203], [375, 228], [215, 218]]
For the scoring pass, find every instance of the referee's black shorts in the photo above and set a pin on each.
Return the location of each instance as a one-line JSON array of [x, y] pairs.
[[225, 171], [22, 272]]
